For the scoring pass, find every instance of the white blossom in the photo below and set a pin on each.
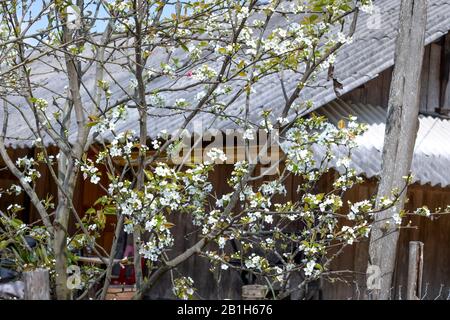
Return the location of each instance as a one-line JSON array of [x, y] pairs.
[[248, 134], [309, 268], [216, 154]]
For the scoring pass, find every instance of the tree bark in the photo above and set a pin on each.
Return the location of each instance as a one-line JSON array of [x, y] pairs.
[[60, 249], [68, 172], [140, 8], [400, 133]]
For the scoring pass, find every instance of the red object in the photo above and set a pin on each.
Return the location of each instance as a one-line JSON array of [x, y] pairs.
[[127, 275], [129, 279]]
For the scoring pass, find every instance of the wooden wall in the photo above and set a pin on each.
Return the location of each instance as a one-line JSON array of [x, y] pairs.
[[435, 85], [434, 100], [7, 179], [85, 193], [435, 234]]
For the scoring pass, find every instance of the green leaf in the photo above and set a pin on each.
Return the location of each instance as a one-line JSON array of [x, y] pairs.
[[3, 244], [110, 210], [91, 124], [91, 211], [184, 47]]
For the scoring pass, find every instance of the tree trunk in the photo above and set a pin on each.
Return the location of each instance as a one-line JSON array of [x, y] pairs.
[[401, 130], [61, 224], [141, 9], [60, 247]]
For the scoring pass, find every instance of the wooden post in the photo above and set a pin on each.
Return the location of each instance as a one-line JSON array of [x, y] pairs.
[[254, 292], [445, 94], [415, 270], [434, 78], [120, 292], [37, 285], [400, 135]]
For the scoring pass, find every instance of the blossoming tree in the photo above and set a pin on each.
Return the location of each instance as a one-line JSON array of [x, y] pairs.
[[221, 50]]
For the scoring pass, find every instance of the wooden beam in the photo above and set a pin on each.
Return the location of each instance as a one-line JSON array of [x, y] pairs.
[[445, 94], [424, 79], [36, 285], [415, 270], [400, 134], [434, 77]]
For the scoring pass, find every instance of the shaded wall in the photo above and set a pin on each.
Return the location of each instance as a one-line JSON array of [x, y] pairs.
[[435, 235], [434, 84]]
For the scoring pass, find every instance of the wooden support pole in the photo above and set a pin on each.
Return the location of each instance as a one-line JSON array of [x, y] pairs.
[[415, 270], [37, 285], [400, 134], [434, 78], [445, 94]]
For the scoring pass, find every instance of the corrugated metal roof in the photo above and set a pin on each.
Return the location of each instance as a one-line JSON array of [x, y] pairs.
[[371, 52], [431, 153]]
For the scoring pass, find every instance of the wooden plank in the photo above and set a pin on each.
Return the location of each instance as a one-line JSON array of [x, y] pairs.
[[387, 77], [424, 79], [445, 69], [361, 251], [37, 284], [434, 77], [121, 292], [374, 91], [415, 270]]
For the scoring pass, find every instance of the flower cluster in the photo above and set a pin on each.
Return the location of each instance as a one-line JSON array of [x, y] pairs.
[[89, 170], [28, 167], [165, 190], [204, 73], [183, 288], [109, 120], [256, 262], [216, 155], [40, 104], [121, 146]]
